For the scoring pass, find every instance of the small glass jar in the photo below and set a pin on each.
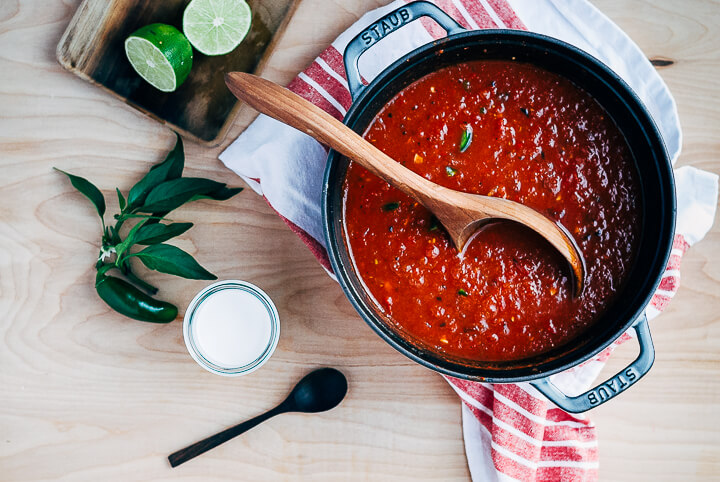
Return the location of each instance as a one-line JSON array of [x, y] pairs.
[[231, 328]]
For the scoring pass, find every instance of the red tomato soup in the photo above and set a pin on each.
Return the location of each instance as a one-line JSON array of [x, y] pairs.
[[502, 129]]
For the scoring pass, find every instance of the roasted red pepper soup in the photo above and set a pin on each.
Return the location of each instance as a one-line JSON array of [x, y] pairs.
[[503, 129]]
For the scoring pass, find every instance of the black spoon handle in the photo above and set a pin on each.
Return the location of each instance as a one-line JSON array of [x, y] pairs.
[[192, 451]]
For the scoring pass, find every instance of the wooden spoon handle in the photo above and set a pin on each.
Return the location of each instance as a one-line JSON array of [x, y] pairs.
[[291, 109]]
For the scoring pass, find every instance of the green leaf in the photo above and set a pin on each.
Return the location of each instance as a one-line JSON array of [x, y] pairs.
[[462, 292], [466, 138], [172, 260], [390, 206], [121, 199], [129, 239], [174, 163], [222, 194], [174, 193], [158, 233], [450, 171], [89, 190], [170, 168]]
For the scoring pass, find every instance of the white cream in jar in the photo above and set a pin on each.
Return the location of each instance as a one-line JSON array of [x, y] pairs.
[[231, 328]]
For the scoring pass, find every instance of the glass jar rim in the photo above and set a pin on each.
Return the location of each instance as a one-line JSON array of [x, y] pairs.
[[197, 353]]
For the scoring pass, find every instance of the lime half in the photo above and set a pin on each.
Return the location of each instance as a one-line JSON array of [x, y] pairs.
[[161, 54], [216, 27]]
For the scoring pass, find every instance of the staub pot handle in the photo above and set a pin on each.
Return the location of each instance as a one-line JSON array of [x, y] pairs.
[[379, 29], [611, 387]]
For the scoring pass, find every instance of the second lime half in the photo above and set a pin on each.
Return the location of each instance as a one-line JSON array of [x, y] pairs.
[[216, 27]]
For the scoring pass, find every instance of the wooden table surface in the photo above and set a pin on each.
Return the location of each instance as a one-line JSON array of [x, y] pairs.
[[88, 395]]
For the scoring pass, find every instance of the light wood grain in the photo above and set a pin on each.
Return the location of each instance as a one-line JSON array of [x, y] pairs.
[[88, 395]]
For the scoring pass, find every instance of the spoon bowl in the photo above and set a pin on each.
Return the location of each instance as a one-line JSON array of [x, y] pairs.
[[318, 391], [460, 213]]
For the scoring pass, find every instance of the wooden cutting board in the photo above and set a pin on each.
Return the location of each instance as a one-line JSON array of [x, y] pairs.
[[202, 108]]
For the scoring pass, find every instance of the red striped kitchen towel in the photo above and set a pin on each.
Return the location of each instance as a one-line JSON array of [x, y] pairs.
[[511, 431]]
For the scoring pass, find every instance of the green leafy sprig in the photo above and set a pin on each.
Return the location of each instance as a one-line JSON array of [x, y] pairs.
[[149, 201]]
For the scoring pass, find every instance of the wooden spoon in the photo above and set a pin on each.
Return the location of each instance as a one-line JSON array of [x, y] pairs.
[[460, 213]]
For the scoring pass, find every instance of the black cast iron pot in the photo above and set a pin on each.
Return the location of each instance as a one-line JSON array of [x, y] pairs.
[[650, 158]]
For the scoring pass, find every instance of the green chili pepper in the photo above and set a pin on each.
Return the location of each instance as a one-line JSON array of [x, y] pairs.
[[128, 300]]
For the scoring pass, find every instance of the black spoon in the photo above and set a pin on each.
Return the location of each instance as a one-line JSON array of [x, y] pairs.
[[318, 391]]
